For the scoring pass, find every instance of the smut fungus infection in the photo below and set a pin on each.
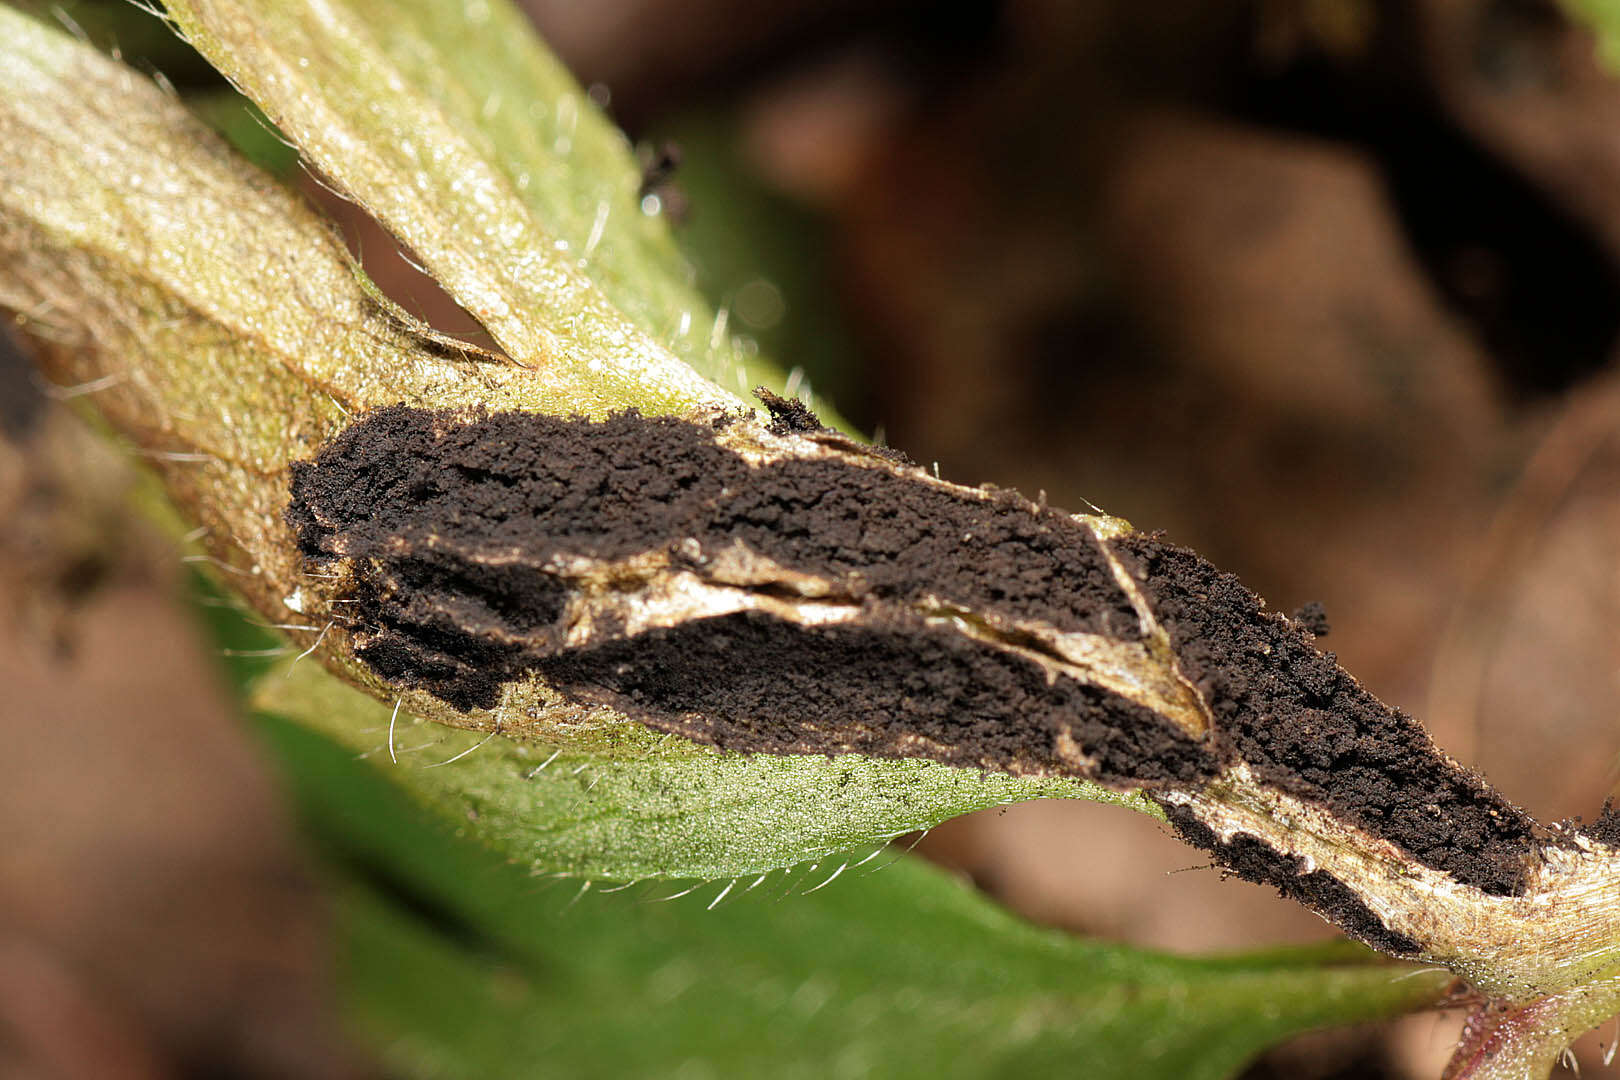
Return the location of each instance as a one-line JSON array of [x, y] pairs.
[[1251, 859], [778, 589], [1305, 725], [444, 493], [893, 686]]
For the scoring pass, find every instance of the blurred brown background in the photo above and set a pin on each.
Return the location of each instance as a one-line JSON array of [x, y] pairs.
[[1328, 289]]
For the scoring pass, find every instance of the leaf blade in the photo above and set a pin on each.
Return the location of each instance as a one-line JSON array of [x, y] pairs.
[[320, 72], [656, 808], [566, 161], [902, 971]]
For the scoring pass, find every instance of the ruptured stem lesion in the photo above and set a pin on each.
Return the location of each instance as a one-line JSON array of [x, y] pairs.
[[719, 577], [1558, 933], [774, 588]]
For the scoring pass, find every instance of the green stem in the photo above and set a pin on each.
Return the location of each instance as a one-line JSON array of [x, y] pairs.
[[1524, 1042]]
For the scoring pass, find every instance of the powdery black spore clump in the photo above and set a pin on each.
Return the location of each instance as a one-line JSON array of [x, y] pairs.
[[458, 628], [748, 681], [402, 478], [1606, 829], [906, 539], [1304, 725], [1253, 860], [789, 416], [1312, 616], [451, 518]]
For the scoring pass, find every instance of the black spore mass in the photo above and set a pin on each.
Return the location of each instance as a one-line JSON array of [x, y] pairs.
[[458, 531], [1306, 726], [451, 519], [894, 686], [1253, 860]]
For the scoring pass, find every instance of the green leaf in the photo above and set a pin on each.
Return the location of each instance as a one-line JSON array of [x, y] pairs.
[[664, 810], [248, 130], [1604, 16], [529, 220], [460, 966]]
